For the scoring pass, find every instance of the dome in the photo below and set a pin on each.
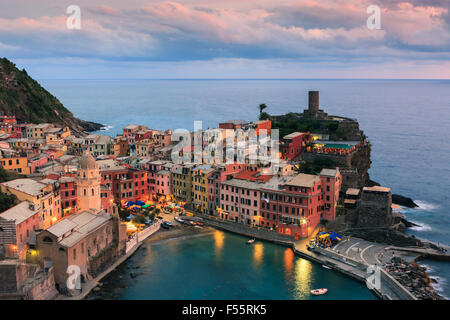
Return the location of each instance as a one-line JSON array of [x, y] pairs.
[[87, 162]]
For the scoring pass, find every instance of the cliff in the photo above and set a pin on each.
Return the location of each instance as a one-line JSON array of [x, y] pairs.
[[24, 97]]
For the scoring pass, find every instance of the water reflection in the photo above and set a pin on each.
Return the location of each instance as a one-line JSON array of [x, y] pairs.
[[258, 251], [302, 281], [219, 238], [288, 262]]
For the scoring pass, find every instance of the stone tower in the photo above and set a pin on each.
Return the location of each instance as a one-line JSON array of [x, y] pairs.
[[313, 111], [313, 100], [88, 184]]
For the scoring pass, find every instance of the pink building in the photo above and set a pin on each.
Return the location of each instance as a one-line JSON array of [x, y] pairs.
[[221, 173], [16, 227], [292, 205], [159, 178], [331, 186], [240, 201], [37, 162]]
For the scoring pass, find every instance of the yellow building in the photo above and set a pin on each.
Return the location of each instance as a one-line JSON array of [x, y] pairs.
[[145, 148], [17, 164], [182, 182], [44, 196], [200, 188], [38, 130]]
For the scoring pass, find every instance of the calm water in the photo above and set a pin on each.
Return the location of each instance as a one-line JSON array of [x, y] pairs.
[[223, 266], [406, 121]]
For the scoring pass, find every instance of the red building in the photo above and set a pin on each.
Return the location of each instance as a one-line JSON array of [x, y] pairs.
[[106, 198], [295, 206], [293, 144], [126, 183], [68, 192]]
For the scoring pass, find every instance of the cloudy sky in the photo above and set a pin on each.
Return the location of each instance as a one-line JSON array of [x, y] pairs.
[[227, 39]]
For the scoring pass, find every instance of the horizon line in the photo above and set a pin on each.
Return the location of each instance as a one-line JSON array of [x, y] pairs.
[[259, 79]]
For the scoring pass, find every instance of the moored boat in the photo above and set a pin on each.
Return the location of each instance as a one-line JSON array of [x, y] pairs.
[[177, 219], [250, 241], [320, 291]]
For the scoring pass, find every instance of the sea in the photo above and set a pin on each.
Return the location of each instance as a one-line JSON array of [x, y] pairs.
[[406, 121]]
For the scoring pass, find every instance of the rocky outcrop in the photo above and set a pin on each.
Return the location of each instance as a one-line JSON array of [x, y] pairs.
[[385, 235], [23, 97], [414, 278], [403, 201]]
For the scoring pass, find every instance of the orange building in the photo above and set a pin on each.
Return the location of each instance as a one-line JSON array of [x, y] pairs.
[[17, 164]]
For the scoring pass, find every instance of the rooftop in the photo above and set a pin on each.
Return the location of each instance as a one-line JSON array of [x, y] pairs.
[[293, 135], [20, 212], [28, 186], [329, 172], [79, 225], [352, 192], [303, 180], [376, 189]]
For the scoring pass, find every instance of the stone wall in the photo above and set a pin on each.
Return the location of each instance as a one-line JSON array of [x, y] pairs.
[[248, 231], [41, 286], [375, 209], [349, 130]]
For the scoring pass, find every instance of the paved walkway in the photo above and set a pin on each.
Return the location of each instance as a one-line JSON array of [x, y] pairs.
[[352, 256]]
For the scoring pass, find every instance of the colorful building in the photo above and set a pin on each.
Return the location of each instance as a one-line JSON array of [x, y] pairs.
[[46, 197], [17, 164], [222, 172], [331, 186], [293, 144], [240, 201], [182, 182], [200, 176], [17, 225], [126, 183]]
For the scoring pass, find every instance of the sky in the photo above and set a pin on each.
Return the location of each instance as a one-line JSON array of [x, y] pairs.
[[129, 39]]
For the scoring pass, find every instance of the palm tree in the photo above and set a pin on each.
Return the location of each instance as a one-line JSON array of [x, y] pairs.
[[261, 107]]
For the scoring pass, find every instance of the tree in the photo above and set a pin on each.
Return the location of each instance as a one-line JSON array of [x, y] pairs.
[[261, 107], [138, 219], [263, 116], [4, 175], [7, 201], [123, 212]]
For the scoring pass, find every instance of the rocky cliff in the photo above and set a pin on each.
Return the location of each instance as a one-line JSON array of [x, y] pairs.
[[24, 97]]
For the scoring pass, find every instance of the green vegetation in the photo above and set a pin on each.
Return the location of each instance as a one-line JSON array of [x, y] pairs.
[[24, 97], [314, 167], [264, 116], [7, 201], [139, 219], [289, 123]]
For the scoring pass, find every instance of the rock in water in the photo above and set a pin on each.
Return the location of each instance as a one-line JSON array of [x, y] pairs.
[[403, 201]]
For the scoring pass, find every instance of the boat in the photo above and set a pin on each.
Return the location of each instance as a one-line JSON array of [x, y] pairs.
[[326, 267], [250, 241], [167, 225], [318, 292], [177, 219]]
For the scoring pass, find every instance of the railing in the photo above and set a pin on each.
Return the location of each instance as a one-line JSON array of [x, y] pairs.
[[141, 236]]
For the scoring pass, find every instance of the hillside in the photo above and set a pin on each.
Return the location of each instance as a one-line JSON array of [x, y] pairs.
[[22, 96]]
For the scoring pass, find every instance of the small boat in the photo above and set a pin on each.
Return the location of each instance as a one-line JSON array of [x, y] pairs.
[[326, 267], [318, 292], [179, 220], [250, 241]]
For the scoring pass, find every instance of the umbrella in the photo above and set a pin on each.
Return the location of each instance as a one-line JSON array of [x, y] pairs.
[[140, 203]]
